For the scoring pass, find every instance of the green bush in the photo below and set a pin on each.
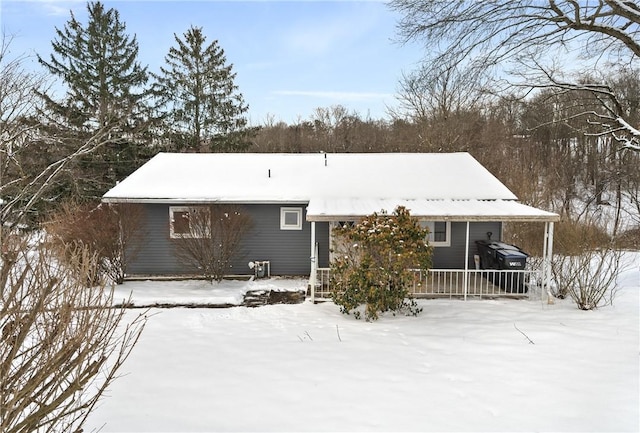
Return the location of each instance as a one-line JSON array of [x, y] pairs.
[[374, 262]]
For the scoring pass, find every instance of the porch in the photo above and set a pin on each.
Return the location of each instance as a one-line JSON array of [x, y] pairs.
[[464, 280], [455, 283]]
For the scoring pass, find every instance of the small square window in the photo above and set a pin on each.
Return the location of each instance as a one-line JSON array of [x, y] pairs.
[[180, 221], [189, 222], [290, 218], [439, 232]]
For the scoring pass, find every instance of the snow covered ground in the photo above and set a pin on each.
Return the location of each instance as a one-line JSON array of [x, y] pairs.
[[459, 366], [198, 292]]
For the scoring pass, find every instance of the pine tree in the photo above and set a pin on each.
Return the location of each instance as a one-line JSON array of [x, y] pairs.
[[105, 99], [196, 87]]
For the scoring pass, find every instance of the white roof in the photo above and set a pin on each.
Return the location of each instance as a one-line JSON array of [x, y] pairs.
[[327, 182], [436, 210]]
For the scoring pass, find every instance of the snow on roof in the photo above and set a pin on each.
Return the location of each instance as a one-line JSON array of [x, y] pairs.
[[436, 210], [329, 183], [268, 177]]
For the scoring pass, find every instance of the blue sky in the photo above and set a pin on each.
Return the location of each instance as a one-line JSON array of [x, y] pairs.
[[290, 56]]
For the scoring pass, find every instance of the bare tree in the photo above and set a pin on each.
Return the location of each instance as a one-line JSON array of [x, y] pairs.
[[62, 344], [530, 35], [503, 30], [439, 91], [208, 238], [632, 193], [603, 112], [33, 158], [17, 101], [335, 128], [112, 232]]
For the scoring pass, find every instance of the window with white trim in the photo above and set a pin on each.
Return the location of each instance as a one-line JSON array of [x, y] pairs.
[[337, 244], [189, 222], [290, 218], [439, 232]]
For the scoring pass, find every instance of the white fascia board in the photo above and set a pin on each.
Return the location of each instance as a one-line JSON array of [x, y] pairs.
[[172, 201], [434, 210]]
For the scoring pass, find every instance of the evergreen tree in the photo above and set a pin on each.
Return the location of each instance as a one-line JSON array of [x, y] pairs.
[[105, 101], [205, 111]]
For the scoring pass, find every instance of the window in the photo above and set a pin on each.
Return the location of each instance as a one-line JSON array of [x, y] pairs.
[[290, 218], [439, 232], [337, 245], [189, 222]]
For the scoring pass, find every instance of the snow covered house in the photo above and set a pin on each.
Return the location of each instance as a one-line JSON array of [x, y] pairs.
[[294, 200]]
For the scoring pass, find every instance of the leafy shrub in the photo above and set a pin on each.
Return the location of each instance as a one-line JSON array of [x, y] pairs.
[[374, 262]]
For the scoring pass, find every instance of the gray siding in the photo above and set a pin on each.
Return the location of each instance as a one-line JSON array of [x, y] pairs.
[[288, 251], [453, 257]]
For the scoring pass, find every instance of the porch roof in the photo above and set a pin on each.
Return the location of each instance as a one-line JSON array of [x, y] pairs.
[[341, 209]]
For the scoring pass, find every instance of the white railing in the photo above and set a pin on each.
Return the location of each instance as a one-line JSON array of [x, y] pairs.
[[323, 288], [450, 283]]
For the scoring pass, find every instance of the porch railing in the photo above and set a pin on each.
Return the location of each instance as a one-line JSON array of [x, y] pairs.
[[436, 283]]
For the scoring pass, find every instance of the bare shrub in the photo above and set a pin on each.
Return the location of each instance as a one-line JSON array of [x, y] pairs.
[[589, 278], [570, 237], [574, 237], [527, 235], [629, 239], [61, 343], [210, 237], [111, 232], [575, 245]]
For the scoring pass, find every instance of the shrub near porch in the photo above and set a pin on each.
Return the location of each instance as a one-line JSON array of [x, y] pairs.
[[374, 262]]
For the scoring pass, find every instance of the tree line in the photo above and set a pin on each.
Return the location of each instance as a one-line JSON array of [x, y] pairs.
[[551, 165], [559, 145], [113, 115]]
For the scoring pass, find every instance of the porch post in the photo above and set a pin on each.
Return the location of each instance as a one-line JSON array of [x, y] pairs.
[[543, 275], [466, 264], [549, 257], [312, 277]]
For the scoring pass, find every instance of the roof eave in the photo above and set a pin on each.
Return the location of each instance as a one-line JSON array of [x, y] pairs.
[[183, 201], [452, 218]]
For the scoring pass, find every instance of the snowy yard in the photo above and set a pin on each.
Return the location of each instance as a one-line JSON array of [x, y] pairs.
[[459, 366]]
